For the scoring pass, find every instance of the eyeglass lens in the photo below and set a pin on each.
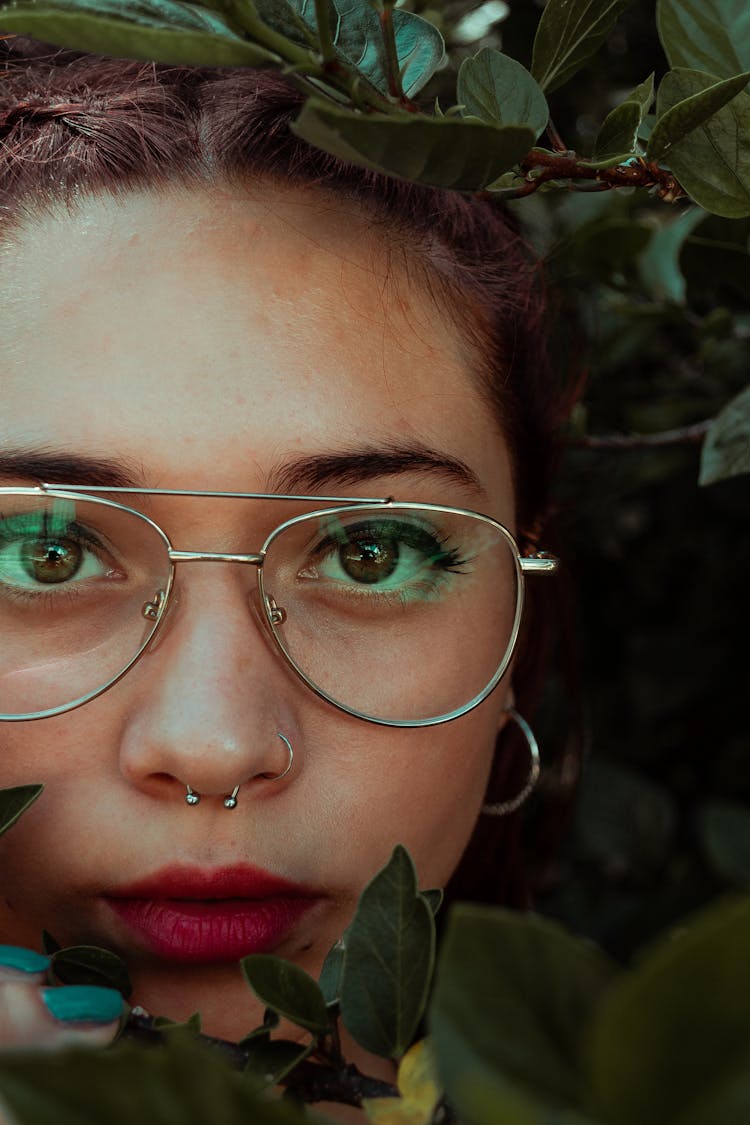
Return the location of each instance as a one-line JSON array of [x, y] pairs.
[[400, 614]]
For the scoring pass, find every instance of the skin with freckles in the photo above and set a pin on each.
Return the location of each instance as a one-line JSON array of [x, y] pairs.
[[211, 339]]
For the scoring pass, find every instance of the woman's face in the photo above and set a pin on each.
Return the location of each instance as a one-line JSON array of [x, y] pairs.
[[244, 343]]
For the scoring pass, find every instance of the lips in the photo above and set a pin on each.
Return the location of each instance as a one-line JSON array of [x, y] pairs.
[[198, 916]]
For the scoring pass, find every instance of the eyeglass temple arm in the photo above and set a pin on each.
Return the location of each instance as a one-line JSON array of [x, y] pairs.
[[540, 563]]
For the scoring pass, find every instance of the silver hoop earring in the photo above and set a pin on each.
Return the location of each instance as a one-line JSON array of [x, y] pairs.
[[191, 797], [284, 772], [510, 806]]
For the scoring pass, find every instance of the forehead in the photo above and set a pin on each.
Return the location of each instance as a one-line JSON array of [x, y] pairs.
[[202, 330]]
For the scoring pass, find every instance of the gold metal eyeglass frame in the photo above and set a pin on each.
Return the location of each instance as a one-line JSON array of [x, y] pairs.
[[540, 562]]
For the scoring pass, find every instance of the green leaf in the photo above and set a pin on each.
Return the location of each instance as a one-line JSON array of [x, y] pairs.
[[358, 36], [726, 449], [724, 830], [512, 998], [443, 152], [677, 118], [713, 162], [707, 35], [192, 1023], [288, 989], [569, 33], [332, 972], [390, 950], [49, 944], [618, 135], [677, 1028], [498, 89], [161, 30], [270, 1060], [181, 1083], [86, 964], [660, 261], [619, 132], [433, 898], [14, 802]]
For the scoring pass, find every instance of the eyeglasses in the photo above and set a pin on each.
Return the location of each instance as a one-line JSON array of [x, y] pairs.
[[401, 614]]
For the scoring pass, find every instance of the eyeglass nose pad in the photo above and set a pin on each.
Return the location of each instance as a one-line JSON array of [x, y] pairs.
[[152, 611], [160, 612], [276, 613]]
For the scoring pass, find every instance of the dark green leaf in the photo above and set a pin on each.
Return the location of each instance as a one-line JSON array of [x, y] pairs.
[[569, 33], [677, 1028], [466, 155], [433, 898], [713, 162], [86, 964], [707, 35], [619, 133], [498, 89], [271, 1020], [660, 261], [288, 989], [331, 973], [677, 118], [390, 950], [727, 1105], [270, 1060], [49, 945], [14, 802], [181, 1083], [724, 829], [512, 998], [192, 1023], [161, 30], [726, 450]]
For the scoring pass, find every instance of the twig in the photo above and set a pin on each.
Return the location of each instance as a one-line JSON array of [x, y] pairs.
[[684, 435], [555, 139], [309, 1081], [540, 167]]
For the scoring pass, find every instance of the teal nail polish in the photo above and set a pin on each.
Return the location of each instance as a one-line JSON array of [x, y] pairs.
[[83, 1003], [24, 960]]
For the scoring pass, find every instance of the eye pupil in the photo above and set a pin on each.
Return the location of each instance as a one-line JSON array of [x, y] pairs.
[[52, 561], [368, 560]]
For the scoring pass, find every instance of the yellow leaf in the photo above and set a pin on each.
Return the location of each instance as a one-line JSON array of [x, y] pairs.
[[417, 1082]]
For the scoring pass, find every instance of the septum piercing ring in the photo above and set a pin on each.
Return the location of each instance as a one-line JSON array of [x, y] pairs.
[[230, 802]]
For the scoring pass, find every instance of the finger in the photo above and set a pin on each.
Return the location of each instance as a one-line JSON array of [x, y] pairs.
[[17, 963], [56, 1017]]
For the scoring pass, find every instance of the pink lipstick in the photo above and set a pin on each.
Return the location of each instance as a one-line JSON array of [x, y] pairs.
[[200, 916]]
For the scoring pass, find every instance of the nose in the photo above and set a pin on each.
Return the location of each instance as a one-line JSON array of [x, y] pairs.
[[212, 706]]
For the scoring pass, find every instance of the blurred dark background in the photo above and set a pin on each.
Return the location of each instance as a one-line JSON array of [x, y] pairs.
[[661, 824]]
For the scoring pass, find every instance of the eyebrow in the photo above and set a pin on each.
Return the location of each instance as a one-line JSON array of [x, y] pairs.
[[360, 464], [347, 467], [59, 467]]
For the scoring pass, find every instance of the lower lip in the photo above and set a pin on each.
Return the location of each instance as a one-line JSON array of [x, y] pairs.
[[198, 931]]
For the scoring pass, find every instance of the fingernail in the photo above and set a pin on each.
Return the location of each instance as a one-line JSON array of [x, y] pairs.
[[25, 960], [83, 1003]]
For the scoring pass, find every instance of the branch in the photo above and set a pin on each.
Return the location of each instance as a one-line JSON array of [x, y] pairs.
[[310, 1081], [540, 167], [682, 436]]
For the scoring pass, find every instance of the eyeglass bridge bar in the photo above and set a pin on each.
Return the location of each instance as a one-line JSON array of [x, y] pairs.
[[85, 488], [215, 556]]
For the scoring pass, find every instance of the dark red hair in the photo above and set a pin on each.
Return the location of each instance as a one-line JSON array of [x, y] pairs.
[[73, 124]]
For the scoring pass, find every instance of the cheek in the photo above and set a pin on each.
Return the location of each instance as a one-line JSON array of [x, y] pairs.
[[423, 789]]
